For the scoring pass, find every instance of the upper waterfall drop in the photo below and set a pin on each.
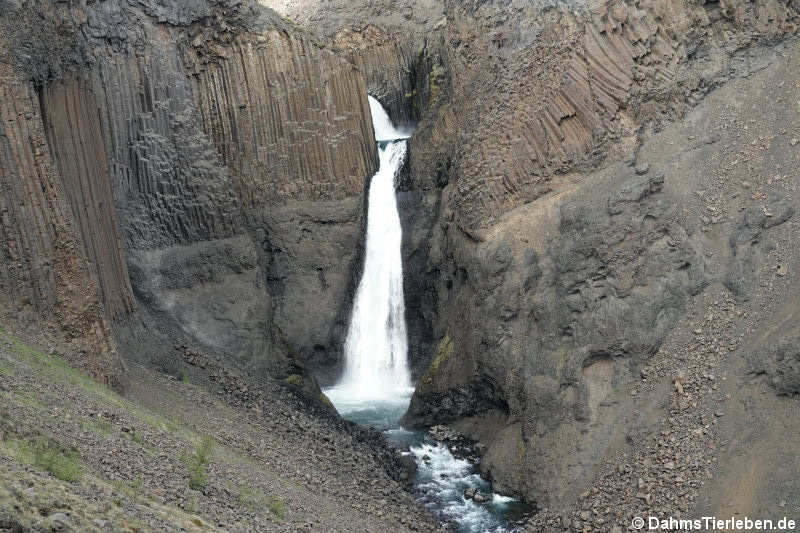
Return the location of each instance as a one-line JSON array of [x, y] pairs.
[[376, 349], [382, 124]]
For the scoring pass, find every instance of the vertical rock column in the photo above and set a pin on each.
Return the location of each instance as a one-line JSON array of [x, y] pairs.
[[290, 119], [76, 143], [44, 273], [292, 123]]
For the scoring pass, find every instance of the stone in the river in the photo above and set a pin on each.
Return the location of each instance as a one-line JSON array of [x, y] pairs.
[[481, 497]]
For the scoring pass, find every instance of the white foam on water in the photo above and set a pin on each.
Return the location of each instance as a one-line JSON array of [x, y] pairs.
[[499, 499], [443, 478], [375, 388], [382, 124], [376, 349]]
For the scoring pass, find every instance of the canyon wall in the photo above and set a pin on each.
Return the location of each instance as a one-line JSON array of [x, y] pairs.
[[562, 259], [47, 282], [547, 261], [208, 166], [193, 174]]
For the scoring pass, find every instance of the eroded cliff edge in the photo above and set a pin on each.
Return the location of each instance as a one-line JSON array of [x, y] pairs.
[[568, 184], [198, 171]]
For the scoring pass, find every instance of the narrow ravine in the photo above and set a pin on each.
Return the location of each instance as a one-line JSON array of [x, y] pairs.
[[375, 387]]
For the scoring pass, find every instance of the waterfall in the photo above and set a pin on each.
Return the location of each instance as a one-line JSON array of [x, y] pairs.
[[376, 349]]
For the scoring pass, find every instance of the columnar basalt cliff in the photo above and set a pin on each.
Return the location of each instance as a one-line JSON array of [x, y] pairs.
[[77, 146], [210, 162], [556, 284], [46, 279], [549, 261], [597, 214], [299, 153]]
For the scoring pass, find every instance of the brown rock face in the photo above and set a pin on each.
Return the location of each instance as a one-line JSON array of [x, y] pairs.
[[77, 146], [45, 278], [283, 138], [536, 245], [563, 264], [547, 92]]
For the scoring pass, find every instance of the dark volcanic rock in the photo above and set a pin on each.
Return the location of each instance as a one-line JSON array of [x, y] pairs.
[[563, 303], [780, 363], [745, 243], [223, 214]]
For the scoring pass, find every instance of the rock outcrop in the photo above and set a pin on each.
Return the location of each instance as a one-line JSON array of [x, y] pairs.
[[546, 262], [549, 318], [46, 279], [208, 162], [544, 92]]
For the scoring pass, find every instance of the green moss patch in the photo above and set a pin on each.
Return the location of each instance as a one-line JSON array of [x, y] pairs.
[[443, 352], [295, 380]]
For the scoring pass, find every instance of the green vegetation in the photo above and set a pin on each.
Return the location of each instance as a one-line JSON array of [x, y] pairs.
[[277, 507], [98, 425], [198, 461], [435, 79], [55, 367], [295, 379], [28, 400], [136, 437], [191, 505], [52, 454], [132, 490], [325, 400], [443, 353], [48, 455], [254, 499], [251, 498], [57, 370]]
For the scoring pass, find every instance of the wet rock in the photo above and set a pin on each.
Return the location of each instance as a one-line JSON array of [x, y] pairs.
[[480, 497], [442, 433]]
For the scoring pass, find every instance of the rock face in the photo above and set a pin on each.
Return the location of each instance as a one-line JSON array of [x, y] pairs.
[[46, 279], [582, 179], [208, 164], [780, 363], [77, 147], [546, 91], [547, 260], [545, 318]]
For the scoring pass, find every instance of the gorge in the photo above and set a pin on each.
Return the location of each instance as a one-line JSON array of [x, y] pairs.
[[375, 387], [563, 231]]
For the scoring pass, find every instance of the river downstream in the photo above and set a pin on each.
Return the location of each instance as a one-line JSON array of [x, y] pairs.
[[441, 478], [375, 387]]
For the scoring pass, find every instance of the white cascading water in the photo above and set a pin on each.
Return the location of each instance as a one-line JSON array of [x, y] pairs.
[[376, 349], [376, 385]]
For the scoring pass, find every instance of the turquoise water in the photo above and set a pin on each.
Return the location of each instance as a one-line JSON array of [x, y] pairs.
[[441, 478]]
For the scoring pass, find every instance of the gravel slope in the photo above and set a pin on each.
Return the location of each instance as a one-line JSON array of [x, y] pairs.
[[271, 466]]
